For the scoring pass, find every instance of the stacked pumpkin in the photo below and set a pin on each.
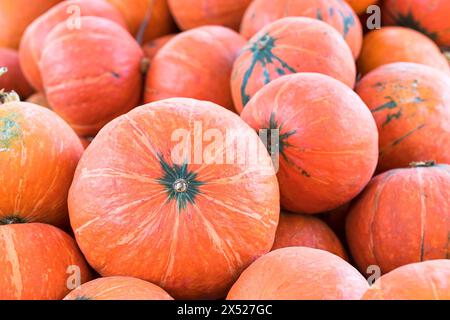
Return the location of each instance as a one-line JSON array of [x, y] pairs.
[[219, 148]]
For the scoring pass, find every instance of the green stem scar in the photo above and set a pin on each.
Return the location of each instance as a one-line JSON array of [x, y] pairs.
[[348, 18], [181, 184], [408, 20], [13, 219], [282, 142], [262, 53]]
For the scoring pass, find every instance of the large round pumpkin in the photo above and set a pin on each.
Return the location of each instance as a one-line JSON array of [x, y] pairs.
[[146, 19], [360, 6], [13, 79], [34, 37], [290, 45], [152, 47], [195, 64], [39, 153], [334, 12], [327, 146], [411, 105], [38, 262], [196, 13], [428, 280], [428, 17], [299, 273], [296, 230], [403, 216], [16, 15], [118, 288], [398, 44], [104, 83], [162, 195]]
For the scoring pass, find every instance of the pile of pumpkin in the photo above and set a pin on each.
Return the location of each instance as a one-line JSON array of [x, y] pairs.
[[362, 150]]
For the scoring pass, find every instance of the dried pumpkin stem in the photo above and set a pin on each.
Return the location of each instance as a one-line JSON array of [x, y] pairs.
[[6, 97], [3, 70], [423, 164]]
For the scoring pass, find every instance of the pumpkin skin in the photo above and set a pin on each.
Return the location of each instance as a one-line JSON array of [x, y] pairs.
[[428, 280], [299, 273], [40, 99], [290, 45], [196, 13], [16, 15], [402, 217], [118, 288], [319, 170], [38, 158], [337, 13], [14, 78], [152, 47], [33, 40], [35, 260], [188, 59], [411, 106], [296, 230], [429, 18], [398, 44], [192, 237], [82, 70], [152, 15], [360, 6]]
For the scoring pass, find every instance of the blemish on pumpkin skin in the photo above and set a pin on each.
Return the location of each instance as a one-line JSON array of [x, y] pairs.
[[10, 131], [397, 141], [115, 75]]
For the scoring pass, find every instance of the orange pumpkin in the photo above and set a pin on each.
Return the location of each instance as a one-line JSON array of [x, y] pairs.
[[152, 47], [165, 211], [38, 262], [337, 13], [16, 15], [398, 44], [195, 64], [429, 280], [411, 105], [118, 288], [40, 99], [34, 37], [299, 273], [319, 169], [290, 45], [402, 217], [296, 230], [360, 6], [13, 79], [105, 83], [146, 19], [430, 18], [39, 153], [196, 13]]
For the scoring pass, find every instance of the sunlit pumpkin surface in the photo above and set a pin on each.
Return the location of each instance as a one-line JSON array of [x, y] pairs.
[[188, 226]]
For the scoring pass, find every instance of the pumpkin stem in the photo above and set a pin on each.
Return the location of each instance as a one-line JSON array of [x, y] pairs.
[[145, 65], [11, 220], [6, 97], [423, 164], [3, 70]]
